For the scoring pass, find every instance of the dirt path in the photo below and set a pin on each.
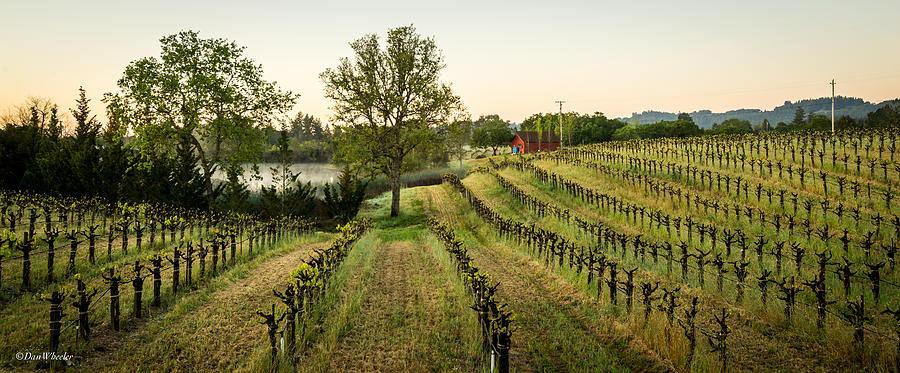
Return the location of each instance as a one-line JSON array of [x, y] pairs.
[[216, 332], [409, 320], [552, 315]]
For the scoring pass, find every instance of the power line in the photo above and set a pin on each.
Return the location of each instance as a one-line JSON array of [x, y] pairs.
[[832, 105]]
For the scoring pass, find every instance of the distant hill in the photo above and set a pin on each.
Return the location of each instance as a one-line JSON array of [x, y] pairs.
[[852, 106]]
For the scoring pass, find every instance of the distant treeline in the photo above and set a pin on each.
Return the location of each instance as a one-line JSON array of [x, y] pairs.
[[309, 140], [852, 107], [592, 128]]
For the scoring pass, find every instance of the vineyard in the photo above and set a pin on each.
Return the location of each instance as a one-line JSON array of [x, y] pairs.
[[715, 253], [772, 252]]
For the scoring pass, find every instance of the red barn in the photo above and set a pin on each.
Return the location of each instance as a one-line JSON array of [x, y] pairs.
[[527, 142]]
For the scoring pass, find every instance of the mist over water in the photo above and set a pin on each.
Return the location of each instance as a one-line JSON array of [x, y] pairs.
[[316, 173]]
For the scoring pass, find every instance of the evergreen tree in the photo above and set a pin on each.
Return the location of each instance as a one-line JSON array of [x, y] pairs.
[[188, 188], [83, 155], [86, 126], [799, 116], [342, 201], [286, 196], [234, 196]]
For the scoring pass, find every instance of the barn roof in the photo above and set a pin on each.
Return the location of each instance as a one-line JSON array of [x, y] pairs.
[[532, 136]]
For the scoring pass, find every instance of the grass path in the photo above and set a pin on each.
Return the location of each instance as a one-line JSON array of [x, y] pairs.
[[399, 305], [399, 324]]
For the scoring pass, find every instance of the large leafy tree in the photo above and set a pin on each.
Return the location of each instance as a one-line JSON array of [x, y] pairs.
[[458, 136], [492, 133], [388, 99], [200, 93]]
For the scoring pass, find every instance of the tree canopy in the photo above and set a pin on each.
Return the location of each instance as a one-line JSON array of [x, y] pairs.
[[200, 92], [491, 132], [388, 100]]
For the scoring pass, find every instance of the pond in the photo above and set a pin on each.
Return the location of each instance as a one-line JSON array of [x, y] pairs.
[[317, 173]]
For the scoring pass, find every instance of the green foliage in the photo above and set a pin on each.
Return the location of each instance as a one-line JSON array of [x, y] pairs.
[[731, 126], [491, 132], [188, 185], [658, 130], [287, 196], [390, 99], [458, 136], [578, 128], [310, 141], [886, 116], [198, 92], [235, 196], [342, 201], [799, 115]]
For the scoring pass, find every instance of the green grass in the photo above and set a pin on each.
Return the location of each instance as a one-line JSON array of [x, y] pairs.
[[438, 335], [179, 330]]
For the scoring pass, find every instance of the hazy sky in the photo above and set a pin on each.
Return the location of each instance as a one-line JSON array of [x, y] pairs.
[[511, 58]]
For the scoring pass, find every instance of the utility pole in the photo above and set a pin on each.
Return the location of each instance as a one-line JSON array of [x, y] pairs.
[[832, 106], [560, 102]]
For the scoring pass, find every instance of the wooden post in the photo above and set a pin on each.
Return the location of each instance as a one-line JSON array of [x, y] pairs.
[[56, 314], [215, 255], [175, 260], [25, 247], [137, 282], [114, 279], [83, 304], [156, 261], [233, 247]]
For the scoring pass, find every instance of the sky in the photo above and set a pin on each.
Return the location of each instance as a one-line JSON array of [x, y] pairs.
[[509, 58]]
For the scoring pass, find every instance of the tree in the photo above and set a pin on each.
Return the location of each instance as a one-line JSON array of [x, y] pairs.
[[845, 122], [235, 195], [199, 92], [685, 117], [287, 196], [458, 136], [799, 116], [731, 126], [493, 133], [84, 157], [763, 126], [35, 111], [886, 116], [188, 188], [342, 201], [86, 126], [389, 99]]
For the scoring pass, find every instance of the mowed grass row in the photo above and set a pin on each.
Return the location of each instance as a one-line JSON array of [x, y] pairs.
[[395, 304]]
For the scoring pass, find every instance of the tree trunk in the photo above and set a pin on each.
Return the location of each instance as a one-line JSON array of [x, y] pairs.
[[395, 190], [207, 172]]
